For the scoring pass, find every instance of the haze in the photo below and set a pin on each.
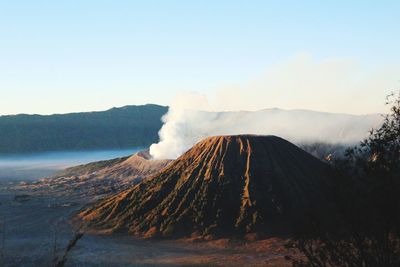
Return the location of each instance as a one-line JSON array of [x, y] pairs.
[[38, 165]]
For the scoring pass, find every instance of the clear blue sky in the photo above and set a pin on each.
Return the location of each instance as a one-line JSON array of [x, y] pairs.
[[61, 56]]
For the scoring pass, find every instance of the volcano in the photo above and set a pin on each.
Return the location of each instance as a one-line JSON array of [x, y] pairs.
[[99, 179], [222, 186]]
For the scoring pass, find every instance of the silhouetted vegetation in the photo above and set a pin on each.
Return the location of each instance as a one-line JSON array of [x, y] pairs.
[[3, 240], [77, 234], [325, 151], [362, 229], [61, 262], [124, 127]]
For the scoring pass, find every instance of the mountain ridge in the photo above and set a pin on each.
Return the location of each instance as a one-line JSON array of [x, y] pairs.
[[83, 112], [116, 128]]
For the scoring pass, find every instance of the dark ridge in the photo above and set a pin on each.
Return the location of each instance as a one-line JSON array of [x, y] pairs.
[[116, 128]]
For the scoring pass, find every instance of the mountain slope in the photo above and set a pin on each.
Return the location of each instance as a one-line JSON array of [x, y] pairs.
[[98, 179], [124, 127], [224, 185]]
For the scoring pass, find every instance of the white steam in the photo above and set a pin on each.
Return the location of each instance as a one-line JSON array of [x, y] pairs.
[[183, 128], [335, 86]]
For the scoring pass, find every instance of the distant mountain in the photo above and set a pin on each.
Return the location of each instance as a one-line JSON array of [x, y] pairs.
[[124, 127], [98, 179], [223, 186]]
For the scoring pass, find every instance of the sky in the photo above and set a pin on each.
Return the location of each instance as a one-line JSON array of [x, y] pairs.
[[68, 56]]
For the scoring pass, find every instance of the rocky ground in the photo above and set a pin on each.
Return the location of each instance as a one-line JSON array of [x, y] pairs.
[[37, 228]]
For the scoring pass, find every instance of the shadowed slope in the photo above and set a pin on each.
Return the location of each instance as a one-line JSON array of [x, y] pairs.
[[224, 185], [116, 128]]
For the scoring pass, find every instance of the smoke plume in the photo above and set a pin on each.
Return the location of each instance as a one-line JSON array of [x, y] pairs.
[[335, 86]]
